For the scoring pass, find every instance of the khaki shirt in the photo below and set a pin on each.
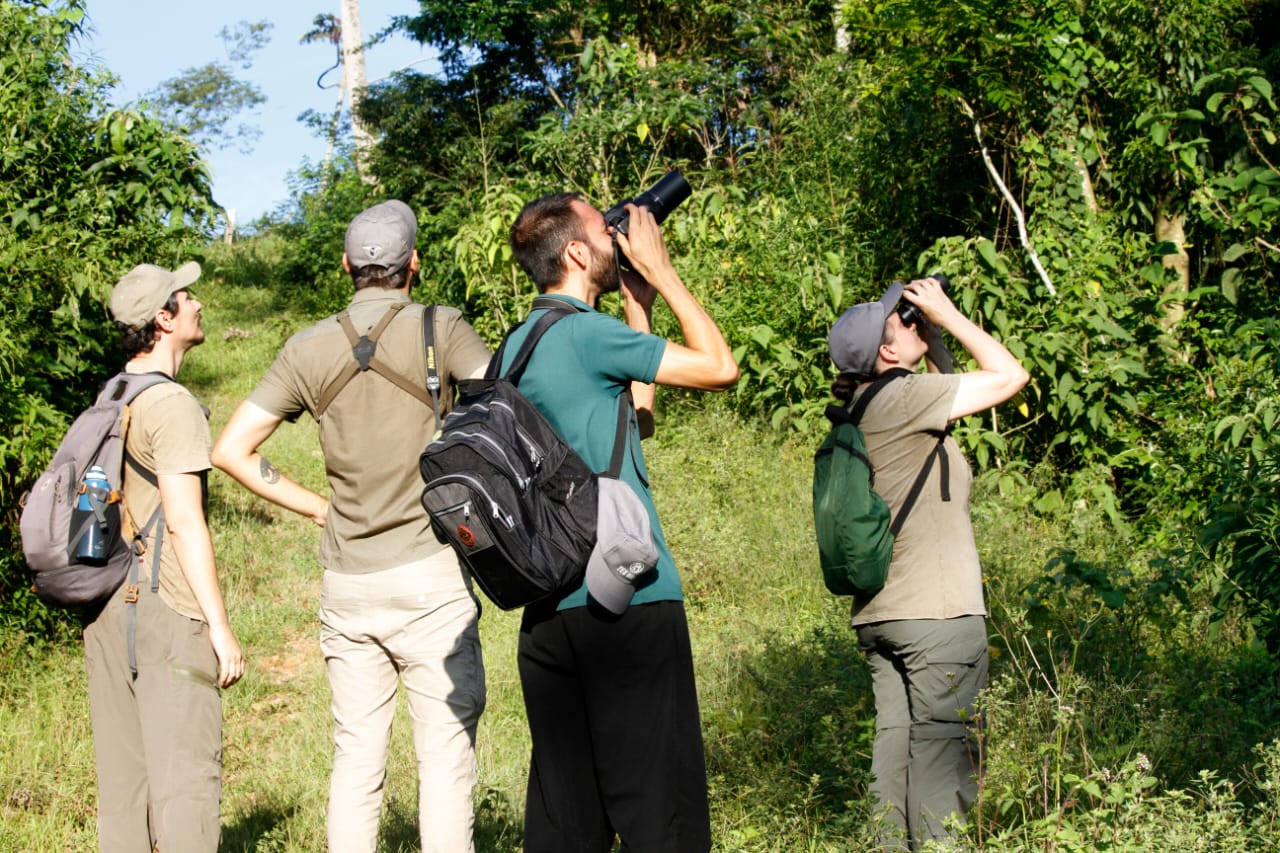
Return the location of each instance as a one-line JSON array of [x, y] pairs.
[[373, 432], [935, 573], [168, 434]]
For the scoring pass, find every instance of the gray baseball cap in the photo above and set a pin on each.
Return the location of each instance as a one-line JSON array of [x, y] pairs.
[[854, 341], [383, 235], [145, 289], [624, 551]]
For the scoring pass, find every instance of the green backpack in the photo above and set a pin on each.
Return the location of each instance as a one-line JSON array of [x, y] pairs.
[[853, 523]]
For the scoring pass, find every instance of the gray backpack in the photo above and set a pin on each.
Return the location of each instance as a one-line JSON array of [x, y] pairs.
[[77, 536]]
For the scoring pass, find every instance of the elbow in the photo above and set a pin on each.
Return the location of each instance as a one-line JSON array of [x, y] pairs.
[[1019, 380], [219, 457], [726, 376], [226, 458]]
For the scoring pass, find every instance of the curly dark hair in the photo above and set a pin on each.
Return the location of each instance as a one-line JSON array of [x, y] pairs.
[[138, 341]]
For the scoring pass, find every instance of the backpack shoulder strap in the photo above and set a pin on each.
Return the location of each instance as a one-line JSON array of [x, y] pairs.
[[620, 433], [557, 310], [853, 415], [859, 407], [364, 350], [124, 386], [429, 346]]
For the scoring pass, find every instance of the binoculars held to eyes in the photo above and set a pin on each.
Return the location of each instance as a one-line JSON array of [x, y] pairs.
[[910, 314]]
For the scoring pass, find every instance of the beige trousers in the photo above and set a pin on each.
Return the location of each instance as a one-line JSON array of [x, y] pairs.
[[416, 624], [157, 739]]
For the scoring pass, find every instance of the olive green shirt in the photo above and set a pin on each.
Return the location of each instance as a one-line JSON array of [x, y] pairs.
[[373, 432], [168, 434], [935, 573]]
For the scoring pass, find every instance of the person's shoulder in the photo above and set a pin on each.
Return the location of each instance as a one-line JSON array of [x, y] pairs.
[[924, 380], [165, 389], [168, 398], [446, 316]]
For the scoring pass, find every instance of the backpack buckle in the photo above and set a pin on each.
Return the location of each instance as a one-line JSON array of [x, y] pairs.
[[131, 593], [363, 351]]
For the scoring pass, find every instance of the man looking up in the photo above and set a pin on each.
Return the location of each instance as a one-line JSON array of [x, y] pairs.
[[394, 603], [609, 688], [160, 649]]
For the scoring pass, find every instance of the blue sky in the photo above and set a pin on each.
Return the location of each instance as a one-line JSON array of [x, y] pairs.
[[144, 42]]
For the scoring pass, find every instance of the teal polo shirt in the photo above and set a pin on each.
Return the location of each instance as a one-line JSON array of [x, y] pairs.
[[575, 376]]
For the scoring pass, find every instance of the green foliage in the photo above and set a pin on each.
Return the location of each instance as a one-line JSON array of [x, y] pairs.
[[85, 194], [201, 102]]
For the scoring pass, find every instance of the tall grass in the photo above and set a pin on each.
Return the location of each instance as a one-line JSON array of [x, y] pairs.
[[1091, 745]]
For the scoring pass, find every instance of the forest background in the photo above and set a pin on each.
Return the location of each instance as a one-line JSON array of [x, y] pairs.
[[1099, 180]]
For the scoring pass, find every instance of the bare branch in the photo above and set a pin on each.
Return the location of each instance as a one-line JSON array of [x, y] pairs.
[[1008, 196]]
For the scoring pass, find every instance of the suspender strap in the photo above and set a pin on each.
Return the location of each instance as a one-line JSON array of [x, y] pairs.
[[364, 357]]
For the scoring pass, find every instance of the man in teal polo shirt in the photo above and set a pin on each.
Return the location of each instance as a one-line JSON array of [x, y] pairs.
[[609, 688]]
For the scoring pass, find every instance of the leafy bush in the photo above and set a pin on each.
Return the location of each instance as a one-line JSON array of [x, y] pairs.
[[86, 192]]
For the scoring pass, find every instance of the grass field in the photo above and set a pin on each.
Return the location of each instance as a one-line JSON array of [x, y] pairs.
[[1109, 728], [738, 527]]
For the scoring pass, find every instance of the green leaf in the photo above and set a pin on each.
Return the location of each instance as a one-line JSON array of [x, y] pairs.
[[1236, 251], [1231, 281], [987, 250]]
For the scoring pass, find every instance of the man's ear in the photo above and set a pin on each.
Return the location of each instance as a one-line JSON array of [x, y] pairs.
[[346, 264], [576, 255], [164, 321]]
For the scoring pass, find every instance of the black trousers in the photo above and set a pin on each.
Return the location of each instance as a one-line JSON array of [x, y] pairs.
[[617, 742]]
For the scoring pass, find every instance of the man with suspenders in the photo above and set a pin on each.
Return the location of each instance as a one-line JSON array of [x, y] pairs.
[[395, 605]]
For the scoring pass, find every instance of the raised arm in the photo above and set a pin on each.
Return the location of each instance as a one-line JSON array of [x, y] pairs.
[[236, 453], [999, 375], [704, 361]]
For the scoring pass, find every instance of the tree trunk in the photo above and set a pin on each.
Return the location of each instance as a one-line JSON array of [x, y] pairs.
[[842, 32], [355, 83], [1169, 229]]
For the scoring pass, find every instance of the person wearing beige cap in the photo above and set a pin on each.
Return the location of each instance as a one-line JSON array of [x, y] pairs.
[[395, 606], [924, 633], [161, 648]]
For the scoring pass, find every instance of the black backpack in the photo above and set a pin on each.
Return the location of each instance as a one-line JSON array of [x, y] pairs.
[[504, 490]]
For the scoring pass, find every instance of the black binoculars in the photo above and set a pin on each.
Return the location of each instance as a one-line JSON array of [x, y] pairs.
[[910, 314]]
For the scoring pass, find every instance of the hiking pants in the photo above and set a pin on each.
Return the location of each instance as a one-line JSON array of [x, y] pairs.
[[157, 738], [415, 624], [926, 760]]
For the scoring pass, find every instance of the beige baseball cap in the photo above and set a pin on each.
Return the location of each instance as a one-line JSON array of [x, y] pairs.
[[382, 235], [145, 289]]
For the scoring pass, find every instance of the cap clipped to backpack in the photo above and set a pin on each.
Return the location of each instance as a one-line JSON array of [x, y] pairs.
[[624, 551]]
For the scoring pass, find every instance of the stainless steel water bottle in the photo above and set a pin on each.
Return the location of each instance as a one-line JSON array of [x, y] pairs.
[[91, 518]]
